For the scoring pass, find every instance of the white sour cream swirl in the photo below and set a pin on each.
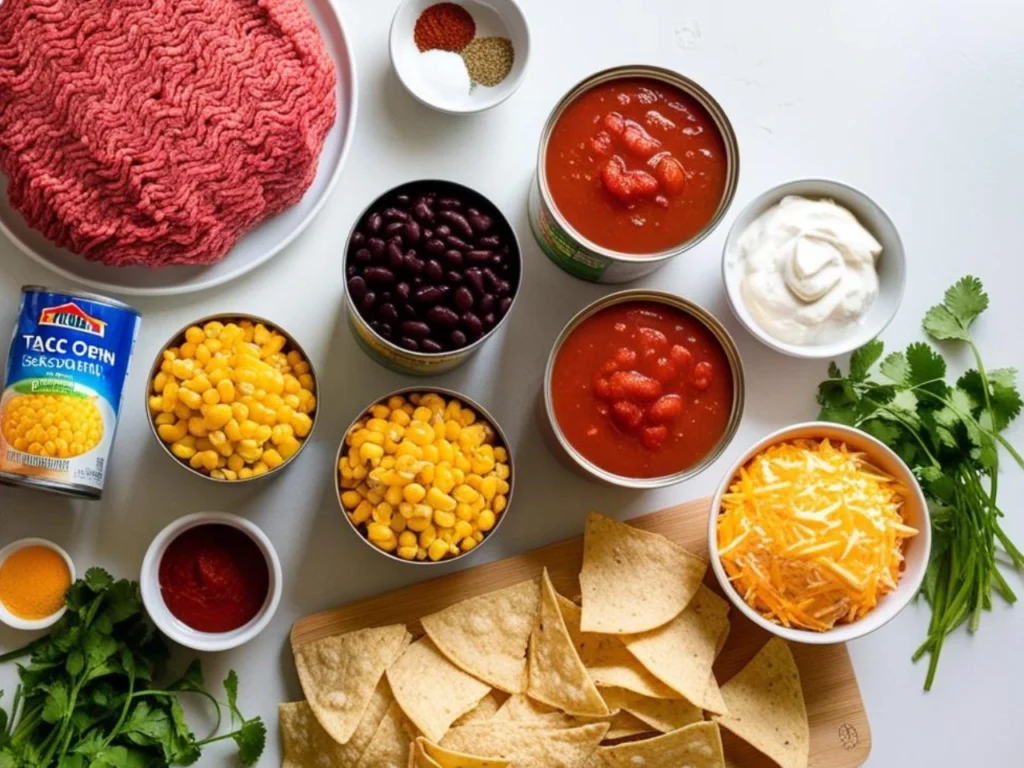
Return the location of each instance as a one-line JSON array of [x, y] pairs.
[[807, 270]]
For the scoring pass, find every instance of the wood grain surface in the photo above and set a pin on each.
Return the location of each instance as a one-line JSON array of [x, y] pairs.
[[840, 734]]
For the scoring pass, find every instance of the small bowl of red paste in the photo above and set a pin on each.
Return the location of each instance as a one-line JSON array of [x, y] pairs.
[[211, 581]]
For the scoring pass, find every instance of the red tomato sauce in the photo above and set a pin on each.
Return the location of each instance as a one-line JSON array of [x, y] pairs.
[[636, 165], [214, 578], [642, 389]]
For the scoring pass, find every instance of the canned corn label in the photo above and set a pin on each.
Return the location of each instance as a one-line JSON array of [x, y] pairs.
[[65, 380]]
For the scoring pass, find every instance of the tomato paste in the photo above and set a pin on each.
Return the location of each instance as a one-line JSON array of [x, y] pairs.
[[214, 578]]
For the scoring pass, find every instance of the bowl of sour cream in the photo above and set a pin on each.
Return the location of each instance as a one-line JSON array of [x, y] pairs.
[[814, 268]]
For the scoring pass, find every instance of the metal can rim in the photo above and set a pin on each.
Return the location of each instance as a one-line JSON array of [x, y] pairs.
[[706, 319], [481, 412], [88, 296], [463, 352], [691, 88], [220, 317]]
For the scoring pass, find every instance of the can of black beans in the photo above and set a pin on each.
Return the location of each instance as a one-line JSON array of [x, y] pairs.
[[432, 270]]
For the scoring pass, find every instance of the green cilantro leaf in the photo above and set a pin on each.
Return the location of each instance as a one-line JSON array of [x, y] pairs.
[[231, 688], [862, 359], [191, 679], [925, 365], [833, 371], [1003, 394], [895, 368], [98, 580], [962, 304], [886, 431], [55, 706], [251, 739]]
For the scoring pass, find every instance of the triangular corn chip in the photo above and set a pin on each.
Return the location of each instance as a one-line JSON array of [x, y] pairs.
[[531, 745], [445, 758], [389, 747], [660, 714], [695, 746], [487, 707]]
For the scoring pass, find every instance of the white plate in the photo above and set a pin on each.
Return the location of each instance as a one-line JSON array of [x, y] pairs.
[[258, 246]]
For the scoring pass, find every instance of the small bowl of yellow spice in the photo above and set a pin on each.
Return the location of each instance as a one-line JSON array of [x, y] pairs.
[[34, 576]]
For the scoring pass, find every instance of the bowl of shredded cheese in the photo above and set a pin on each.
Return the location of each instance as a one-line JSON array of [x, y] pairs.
[[819, 533]]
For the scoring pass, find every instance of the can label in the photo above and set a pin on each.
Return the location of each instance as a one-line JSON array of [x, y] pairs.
[[558, 245], [65, 380], [397, 360]]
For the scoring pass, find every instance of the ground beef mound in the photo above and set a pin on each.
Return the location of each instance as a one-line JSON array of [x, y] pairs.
[[158, 132]]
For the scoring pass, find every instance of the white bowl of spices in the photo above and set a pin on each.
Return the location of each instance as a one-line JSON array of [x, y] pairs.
[[34, 576], [460, 58]]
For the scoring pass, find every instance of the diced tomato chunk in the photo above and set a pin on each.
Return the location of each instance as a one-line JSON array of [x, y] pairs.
[[627, 186], [680, 355], [625, 356], [627, 415], [664, 370], [601, 143], [651, 340], [671, 175], [638, 141], [635, 386], [665, 409], [654, 437], [615, 123]]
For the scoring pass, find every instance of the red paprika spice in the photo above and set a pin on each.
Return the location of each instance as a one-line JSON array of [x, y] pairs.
[[444, 26]]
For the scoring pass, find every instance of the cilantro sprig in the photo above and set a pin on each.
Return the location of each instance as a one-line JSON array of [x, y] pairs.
[[950, 434], [87, 696]]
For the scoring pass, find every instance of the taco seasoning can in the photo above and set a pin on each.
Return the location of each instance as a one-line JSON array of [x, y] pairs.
[[582, 257], [62, 394]]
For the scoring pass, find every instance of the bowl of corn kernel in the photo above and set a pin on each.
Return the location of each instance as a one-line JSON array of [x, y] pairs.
[[232, 398], [424, 476]]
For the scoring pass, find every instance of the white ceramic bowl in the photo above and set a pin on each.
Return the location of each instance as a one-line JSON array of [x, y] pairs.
[[891, 265], [916, 550], [9, 618], [494, 18], [177, 630]]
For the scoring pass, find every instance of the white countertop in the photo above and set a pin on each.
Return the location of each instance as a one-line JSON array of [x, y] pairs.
[[920, 110]]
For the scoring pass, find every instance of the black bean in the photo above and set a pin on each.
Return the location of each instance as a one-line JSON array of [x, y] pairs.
[[479, 257], [458, 339], [489, 320], [415, 328], [434, 246], [453, 277], [395, 214], [490, 241], [357, 287], [413, 263], [429, 345], [395, 228], [428, 294], [504, 305], [476, 279], [434, 271], [387, 313], [395, 257], [472, 323], [423, 212], [480, 222], [443, 231], [351, 271], [379, 275], [358, 238], [458, 222], [383, 329], [376, 246], [402, 290], [486, 303], [402, 200], [412, 232], [374, 222], [504, 288], [427, 233], [458, 243], [463, 299], [385, 296], [449, 203], [453, 257], [408, 343], [409, 311], [369, 299], [417, 281], [363, 255], [442, 316]]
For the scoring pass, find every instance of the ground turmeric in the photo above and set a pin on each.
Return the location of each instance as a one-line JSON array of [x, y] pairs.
[[33, 581]]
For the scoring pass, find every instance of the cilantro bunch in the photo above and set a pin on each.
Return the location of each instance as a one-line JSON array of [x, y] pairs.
[[950, 435], [87, 696]]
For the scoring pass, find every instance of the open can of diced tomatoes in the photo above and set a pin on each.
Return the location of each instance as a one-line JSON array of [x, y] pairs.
[[643, 389], [636, 165]]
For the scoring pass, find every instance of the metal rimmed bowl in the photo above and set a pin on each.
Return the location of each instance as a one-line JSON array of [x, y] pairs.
[[916, 552], [482, 414], [229, 317], [701, 315]]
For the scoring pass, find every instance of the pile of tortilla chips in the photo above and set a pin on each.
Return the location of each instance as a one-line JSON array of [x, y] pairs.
[[526, 678]]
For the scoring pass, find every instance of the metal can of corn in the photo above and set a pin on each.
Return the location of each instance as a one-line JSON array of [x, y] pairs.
[[582, 257], [448, 394], [574, 459], [64, 385]]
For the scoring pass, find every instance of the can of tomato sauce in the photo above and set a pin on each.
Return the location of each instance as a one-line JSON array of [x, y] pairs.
[[636, 165], [643, 389], [66, 370]]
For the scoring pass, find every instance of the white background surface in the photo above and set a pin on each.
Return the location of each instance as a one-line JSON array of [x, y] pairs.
[[918, 104]]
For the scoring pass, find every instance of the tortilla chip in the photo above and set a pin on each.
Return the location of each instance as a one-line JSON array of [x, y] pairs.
[[681, 653], [522, 708], [660, 714], [622, 725], [488, 635], [609, 663], [695, 746], [632, 580], [304, 742], [339, 674], [389, 747], [713, 701], [531, 745], [432, 691], [445, 758], [420, 759], [766, 706], [484, 710], [557, 676]]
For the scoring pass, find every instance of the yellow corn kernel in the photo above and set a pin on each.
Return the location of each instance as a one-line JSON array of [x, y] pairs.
[[437, 499], [417, 523], [409, 448], [362, 512], [244, 473], [211, 397], [437, 550], [431, 453], [370, 452], [465, 493], [170, 396], [216, 416], [393, 495], [291, 446], [165, 418], [181, 410], [194, 335], [183, 451], [427, 536], [249, 450], [467, 417], [462, 462], [240, 412], [259, 468], [489, 487], [406, 553], [414, 493], [444, 480], [302, 424], [503, 486], [400, 417], [419, 433], [502, 471], [422, 414], [190, 399], [235, 462], [452, 430], [426, 474], [171, 433], [499, 504], [464, 512], [226, 391], [197, 427], [233, 430], [407, 539], [155, 403], [444, 519], [272, 458], [382, 512], [463, 529], [445, 451], [486, 520], [467, 544], [482, 465]]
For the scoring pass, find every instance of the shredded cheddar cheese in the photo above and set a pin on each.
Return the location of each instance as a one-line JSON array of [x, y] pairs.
[[811, 534]]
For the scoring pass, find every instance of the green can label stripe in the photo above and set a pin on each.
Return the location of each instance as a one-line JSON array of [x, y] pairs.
[[48, 387], [559, 246]]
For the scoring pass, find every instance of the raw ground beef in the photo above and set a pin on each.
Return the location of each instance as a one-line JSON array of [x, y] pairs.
[[158, 132]]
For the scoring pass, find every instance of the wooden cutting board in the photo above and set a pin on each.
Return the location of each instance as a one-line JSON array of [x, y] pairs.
[[840, 734]]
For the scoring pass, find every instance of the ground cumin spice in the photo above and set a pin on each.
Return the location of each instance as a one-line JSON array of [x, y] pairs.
[[33, 581], [445, 27], [489, 59]]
